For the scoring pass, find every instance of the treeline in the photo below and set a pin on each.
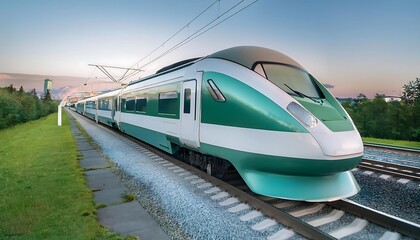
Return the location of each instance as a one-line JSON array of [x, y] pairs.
[[394, 120], [18, 106]]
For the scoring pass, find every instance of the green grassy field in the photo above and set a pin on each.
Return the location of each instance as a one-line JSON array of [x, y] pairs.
[[43, 191], [399, 143]]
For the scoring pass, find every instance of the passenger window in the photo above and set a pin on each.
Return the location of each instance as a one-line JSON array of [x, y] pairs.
[[130, 104], [168, 103], [187, 100], [141, 103]]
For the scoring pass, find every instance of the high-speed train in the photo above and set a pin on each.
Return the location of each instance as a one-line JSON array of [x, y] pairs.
[[249, 108]]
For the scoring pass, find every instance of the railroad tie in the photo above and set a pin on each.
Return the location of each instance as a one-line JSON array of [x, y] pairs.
[[403, 181], [282, 234], [238, 208], [229, 201], [204, 185], [309, 210], [390, 236], [334, 215], [356, 226], [220, 195], [250, 216], [212, 190], [264, 224], [286, 204]]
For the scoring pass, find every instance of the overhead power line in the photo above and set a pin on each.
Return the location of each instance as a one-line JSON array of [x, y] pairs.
[[220, 18], [104, 71], [239, 7]]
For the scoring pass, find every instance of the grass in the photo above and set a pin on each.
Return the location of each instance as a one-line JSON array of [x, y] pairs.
[[42, 188], [128, 197], [399, 143]]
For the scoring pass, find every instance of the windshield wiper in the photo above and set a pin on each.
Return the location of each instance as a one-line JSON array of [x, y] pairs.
[[302, 95]]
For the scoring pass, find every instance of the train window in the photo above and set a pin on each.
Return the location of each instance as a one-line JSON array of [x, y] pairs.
[[122, 104], [291, 80], [168, 102], [103, 104], [260, 70], [215, 92], [91, 104], [130, 104], [141, 103], [187, 100]]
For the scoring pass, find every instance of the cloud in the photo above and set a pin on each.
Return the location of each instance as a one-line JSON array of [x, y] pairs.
[[4, 76], [327, 85]]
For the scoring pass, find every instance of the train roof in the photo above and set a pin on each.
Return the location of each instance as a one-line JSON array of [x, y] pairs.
[[248, 56], [110, 93]]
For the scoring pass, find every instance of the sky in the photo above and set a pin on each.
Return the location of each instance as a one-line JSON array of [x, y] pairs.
[[356, 46]]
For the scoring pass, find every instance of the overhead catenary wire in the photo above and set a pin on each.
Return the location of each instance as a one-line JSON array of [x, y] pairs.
[[207, 27], [197, 34], [176, 33]]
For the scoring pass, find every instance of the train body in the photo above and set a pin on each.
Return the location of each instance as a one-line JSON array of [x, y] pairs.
[[252, 108]]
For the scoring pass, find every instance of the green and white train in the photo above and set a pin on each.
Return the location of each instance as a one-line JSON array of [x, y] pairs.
[[250, 108]]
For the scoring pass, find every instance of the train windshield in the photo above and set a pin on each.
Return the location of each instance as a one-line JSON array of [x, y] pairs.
[[291, 80]]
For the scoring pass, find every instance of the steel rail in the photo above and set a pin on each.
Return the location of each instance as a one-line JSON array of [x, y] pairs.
[[391, 168], [394, 148], [398, 224]]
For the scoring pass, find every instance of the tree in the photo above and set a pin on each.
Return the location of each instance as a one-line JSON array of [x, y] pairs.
[[34, 93], [47, 96], [11, 88], [411, 92]]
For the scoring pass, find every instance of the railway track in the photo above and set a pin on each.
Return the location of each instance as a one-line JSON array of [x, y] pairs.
[[391, 169], [414, 151], [293, 214], [362, 215]]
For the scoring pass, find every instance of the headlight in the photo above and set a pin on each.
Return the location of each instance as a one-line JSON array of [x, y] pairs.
[[302, 115]]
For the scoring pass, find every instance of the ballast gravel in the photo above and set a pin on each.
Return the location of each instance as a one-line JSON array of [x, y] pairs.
[[172, 197], [389, 195], [408, 159]]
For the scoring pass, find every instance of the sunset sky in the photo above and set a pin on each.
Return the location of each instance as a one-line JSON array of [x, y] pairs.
[[357, 46]]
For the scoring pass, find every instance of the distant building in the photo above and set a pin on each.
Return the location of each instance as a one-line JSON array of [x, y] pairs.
[[392, 99], [47, 85]]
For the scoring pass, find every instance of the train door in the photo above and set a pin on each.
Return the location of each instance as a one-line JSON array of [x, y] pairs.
[[113, 103], [117, 112], [189, 114], [96, 102]]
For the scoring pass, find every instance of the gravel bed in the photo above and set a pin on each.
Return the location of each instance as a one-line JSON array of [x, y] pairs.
[[182, 209], [389, 196], [412, 160]]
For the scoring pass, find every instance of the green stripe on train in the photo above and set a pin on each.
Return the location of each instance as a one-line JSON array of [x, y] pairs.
[[292, 178], [278, 164], [105, 120], [157, 139], [244, 107]]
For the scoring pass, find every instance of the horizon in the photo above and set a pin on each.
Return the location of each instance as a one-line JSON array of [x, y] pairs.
[[364, 47]]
